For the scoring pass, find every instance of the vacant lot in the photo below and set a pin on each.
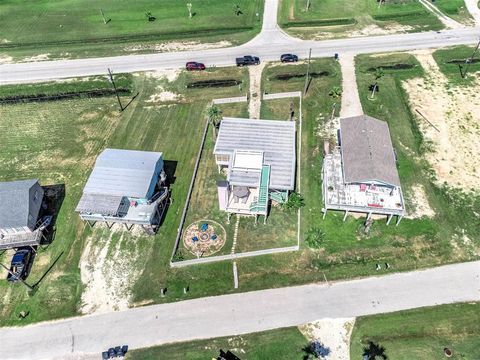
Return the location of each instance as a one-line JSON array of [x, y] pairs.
[[456, 9], [421, 333], [330, 18], [68, 28], [286, 343]]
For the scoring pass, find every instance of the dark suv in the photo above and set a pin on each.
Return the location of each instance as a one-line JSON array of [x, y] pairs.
[[288, 58], [19, 267]]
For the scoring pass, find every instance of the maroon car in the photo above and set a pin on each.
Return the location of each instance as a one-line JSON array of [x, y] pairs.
[[193, 65]]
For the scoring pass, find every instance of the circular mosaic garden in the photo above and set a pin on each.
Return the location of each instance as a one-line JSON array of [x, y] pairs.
[[204, 238]]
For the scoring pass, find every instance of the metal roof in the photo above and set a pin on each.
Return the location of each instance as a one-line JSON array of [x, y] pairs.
[[107, 205], [123, 173], [15, 204], [367, 151], [276, 139]]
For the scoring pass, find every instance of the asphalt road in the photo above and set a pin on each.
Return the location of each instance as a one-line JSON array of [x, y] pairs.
[[242, 313], [268, 45]]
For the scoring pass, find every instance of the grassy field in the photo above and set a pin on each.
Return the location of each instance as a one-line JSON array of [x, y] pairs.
[[286, 343], [449, 61], [67, 28], [332, 18], [421, 333], [456, 9]]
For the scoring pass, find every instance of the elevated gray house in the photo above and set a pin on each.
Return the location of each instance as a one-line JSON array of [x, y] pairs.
[[361, 174], [127, 187], [20, 206], [259, 159]]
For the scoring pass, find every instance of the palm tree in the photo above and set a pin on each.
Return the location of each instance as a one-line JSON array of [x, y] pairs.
[[374, 352], [336, 92], [379, 73], [214, 116]]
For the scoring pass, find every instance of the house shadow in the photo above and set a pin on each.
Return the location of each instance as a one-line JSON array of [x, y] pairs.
[[170, 168], [52, 203]]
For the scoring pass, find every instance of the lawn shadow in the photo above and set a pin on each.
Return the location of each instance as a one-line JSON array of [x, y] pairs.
[[170, 168]]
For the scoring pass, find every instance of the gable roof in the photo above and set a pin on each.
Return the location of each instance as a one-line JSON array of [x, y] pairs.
[[367, 151], [276, 139], [15, 203], [123, 173]]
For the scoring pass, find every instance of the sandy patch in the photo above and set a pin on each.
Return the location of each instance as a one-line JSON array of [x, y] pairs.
[[255, 103], [5, 59], [163, 96], [370, 30], [109, 268], [36, 58], [419, 206], [455, 124], [333, 334], [169, 74], [177, 46]]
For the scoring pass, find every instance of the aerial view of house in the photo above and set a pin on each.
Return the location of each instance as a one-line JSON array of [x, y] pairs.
[[257, 179], [20, 207], [126, 187], [259, 159], [360, 175]]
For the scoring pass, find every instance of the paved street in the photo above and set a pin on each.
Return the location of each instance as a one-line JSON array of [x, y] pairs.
[[242, 313], [268, 45]]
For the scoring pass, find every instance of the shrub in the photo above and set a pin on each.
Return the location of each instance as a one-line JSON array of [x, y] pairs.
[[314, 237], [294, 202]]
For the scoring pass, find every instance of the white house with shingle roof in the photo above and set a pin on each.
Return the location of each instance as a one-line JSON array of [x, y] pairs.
[[259, 159], [361, 174], [125, 186]]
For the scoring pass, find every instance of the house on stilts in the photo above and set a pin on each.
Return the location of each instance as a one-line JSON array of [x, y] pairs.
[[360, 175], [259, 159], [126, 187], [21, 223]]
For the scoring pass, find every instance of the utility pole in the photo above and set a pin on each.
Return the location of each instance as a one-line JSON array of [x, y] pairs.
[[189, 7], [308, 72], [115, 88], [307, 6], [469, 61], [23, 281], [103, 16]]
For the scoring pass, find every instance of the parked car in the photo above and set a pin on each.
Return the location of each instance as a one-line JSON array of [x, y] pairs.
[[288, 58], [20, 265], [247, 60], [193, 65], [117, 351]]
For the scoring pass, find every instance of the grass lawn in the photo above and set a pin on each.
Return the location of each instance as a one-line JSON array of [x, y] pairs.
[[286, 343], [456, 9], [338, 18], [421, 333], [68, 28], [449, 61]]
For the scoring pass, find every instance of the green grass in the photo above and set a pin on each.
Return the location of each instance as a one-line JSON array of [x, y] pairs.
[[456, 9], [286, 343], [67, 28], [443, 57], [341, 17], [421, 333]]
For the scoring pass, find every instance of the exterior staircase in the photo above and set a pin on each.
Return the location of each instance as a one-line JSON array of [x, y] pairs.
[[279, 196], [260, 206]]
